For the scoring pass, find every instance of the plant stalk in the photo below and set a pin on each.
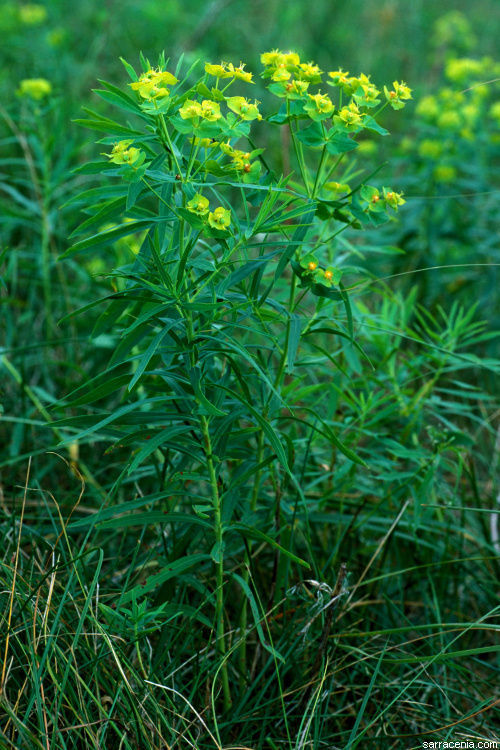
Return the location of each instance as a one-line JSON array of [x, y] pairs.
[[219, 602]]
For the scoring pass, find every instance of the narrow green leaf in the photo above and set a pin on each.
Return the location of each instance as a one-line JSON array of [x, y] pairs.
[[129, 69], [348, 310], [108, 237], [153, 346], [252, 533], [107, 420], [268, 430], [155, 442], [172, 570], [293, 340], [152, 516], [257, 616], [352, 743], [297, 239]]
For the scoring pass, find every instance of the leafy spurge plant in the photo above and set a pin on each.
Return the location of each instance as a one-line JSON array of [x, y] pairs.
[[208, 323]]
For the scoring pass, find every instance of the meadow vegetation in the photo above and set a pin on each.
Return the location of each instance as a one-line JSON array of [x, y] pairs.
[[249, 356]]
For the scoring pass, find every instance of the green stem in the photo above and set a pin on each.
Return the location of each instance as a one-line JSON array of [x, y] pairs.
[[284, 354], [139, 657], [298, 153], [219, 602], [376, 114], [320, 166], [332, 170], [159, 196], [245, 574], [320, 169], [170, 145]]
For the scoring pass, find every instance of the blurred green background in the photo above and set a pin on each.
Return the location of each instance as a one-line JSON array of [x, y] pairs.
[[73, 46]]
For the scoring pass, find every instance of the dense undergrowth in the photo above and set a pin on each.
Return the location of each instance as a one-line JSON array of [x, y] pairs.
[[347, 596]]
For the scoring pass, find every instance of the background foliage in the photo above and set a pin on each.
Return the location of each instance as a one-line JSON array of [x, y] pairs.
[[413, 646]]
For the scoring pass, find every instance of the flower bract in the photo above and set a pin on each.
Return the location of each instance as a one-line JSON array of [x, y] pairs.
[[220, 218], [243, 108]]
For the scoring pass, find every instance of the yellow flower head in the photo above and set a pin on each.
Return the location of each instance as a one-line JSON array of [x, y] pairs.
[[190, 110], [309, 262], [219, 71], [243, 75], [122, 154], [367, 148], [370, 92], [449, 120], [428, 108], [430, 149], [227, 149], [34, 88], [32, 14], [337, 187], [349, 117], [210, 110], [153, 84], [393, 199], [445, 173], [322, 102], [243, 108], [281, 74], [309, 71], [220, 218], [399, 92], [204, 142], [460, 70], [198, 205], [297, 87], [271, 59], [495, 111], [340, 77], [291, 58]]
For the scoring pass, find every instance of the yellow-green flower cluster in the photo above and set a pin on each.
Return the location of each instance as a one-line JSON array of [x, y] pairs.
[[210, 111], [241, 161], [495, 111], [219, 218], [198, 205], [207, 110], [349, 118], [35, 88], [453, 30], [319, 106], [285, 68], [227, 70], [445, 173], [152, 85], [123, 154], [374, 200], [329, 276], [460, 112], [32, 14], [398, 94], [430, 149], [291, 78], [244, 108]]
